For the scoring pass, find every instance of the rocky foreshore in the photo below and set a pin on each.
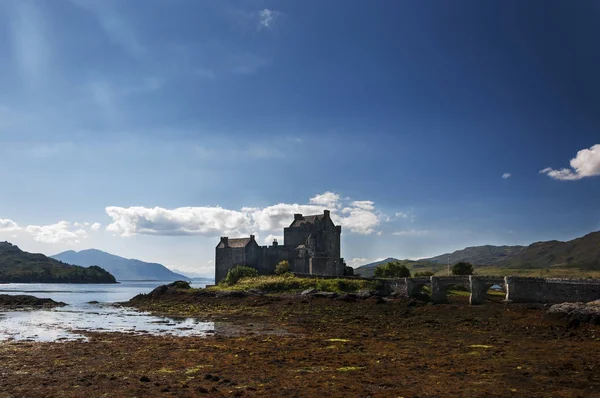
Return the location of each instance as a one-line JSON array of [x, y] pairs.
[[23, 301]]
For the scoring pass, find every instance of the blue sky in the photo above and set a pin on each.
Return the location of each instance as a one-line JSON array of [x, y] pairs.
[[149, 131]]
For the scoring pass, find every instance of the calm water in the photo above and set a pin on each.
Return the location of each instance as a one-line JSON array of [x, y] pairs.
[[67, 323]]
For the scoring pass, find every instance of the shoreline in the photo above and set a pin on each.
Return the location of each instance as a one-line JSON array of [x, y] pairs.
[[292, 345]]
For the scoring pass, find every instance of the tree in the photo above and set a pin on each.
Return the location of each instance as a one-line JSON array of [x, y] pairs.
[[462, 268], [238, 272], [348, 271], [392, 269], [282, 268]]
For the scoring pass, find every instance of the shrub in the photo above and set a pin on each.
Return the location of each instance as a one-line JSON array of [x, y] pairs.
[[238, 272], [423, 274], [282, 268], [392, 270], [462, 268]]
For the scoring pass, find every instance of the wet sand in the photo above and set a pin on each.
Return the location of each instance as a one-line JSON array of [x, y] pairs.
[[310, 347]]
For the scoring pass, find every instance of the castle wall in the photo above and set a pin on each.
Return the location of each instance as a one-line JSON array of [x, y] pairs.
[[226, 259]]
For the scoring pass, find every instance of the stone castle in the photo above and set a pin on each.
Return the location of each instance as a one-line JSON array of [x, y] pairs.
[[311, 245]]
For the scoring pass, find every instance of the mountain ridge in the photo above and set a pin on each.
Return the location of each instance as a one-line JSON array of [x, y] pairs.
[[122, 268], [18, 266]]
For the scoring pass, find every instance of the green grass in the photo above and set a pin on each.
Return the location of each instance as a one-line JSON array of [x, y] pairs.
[[289, 282]]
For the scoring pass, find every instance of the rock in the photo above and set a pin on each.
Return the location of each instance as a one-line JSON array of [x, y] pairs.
[[256, 292], [25, 301], [329, 295], [179, 285], [364, 293], [159, 291], [93, 302], [308, 292], [231, 293], [348, 297], [202, 390], [145, 379], [573, 314]]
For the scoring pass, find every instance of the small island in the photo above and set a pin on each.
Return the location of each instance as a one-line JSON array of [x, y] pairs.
[[18, 266]]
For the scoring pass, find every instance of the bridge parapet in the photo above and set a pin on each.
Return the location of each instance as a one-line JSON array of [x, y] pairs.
[[551, 290]]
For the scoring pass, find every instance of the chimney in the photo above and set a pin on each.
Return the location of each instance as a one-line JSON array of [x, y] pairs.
[[326, 213], [225, 241], [275, 243], [251, 237], [297, 217]]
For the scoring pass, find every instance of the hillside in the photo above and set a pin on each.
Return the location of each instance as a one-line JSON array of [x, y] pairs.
[[580, 253], [121, 268], [367, 270], [480, 255], [17, 266]]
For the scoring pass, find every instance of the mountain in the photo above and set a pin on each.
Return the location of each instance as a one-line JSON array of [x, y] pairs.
[[18, 266], [121, 268], [367, 270], [582, 253], [479, 255]]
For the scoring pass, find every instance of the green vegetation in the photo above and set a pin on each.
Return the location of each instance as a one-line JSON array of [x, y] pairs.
[[289, 282], [423, 274], [17, 266], [462, 268], [392, 269], [238, 272], [282, 268]]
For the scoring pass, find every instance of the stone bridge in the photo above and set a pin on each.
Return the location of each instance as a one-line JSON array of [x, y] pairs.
[[518, 289]]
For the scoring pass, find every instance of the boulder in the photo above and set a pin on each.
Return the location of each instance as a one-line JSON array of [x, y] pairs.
[[329, 295], [365, 293], [574, 314], [308, 292]]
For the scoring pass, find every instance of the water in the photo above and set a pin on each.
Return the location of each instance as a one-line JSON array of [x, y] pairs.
[[68, 323]]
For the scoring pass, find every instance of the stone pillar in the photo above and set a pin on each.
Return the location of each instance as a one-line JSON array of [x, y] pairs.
[[478, 290], [438, 291]]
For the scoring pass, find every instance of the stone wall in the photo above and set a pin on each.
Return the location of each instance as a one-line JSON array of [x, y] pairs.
[[551, 290]]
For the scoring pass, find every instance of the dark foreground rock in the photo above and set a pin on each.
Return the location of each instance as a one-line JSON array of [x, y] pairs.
[[574, 314], [21, 301]]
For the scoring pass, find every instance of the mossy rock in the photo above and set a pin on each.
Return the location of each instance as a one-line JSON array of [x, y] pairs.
[[179, 285]]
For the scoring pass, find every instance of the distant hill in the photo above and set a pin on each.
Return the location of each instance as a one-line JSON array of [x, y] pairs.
[[367, 270], [479, 255], [17, 266], [582, 253], [122, 268]]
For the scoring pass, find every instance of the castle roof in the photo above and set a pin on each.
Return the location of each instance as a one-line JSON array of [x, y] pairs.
[[235, 242], [307, 220]]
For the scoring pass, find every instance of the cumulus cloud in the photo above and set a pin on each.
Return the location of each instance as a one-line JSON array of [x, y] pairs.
[[506, 175], [411, 232], [7, 225], [269, 239], [328, 199], [585, 164], [61, 232], [359, 217], [95, 226]]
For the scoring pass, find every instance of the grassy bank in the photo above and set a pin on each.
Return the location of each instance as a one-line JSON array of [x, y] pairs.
[[291, 283]]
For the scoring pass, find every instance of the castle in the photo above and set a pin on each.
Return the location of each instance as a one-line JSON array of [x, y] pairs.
[[311, 245]]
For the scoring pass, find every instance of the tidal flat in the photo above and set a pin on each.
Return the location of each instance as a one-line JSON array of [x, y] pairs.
[[289, 345]]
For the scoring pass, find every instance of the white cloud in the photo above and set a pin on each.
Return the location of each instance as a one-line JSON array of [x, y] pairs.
[[506, 175], [328, 199], [95, 226], [7, 225], [267, 18], [412, 232], [358, 261], [269, 239], [401, 215], [215, 221], [30, 47], [61, 232], [585, 164]]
